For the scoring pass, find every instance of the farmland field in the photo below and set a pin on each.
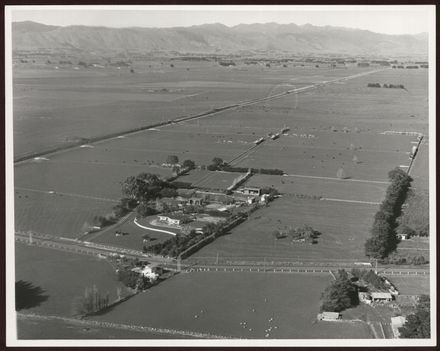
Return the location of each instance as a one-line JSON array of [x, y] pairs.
[[254, 238], [62, 276], [62, 109], [222, 300]]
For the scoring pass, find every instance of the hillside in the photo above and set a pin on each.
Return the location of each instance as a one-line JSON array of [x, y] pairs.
[[211, 38]]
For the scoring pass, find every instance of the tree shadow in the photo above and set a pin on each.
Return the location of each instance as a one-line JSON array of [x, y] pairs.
[[27, 295]]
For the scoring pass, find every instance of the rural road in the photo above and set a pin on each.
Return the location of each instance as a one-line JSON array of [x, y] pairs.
[[94, 249]]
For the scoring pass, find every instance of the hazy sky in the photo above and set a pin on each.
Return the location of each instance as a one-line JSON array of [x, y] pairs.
[[382, 19]]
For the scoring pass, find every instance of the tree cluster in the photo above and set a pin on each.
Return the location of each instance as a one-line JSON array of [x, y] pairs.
[[305, 233], [418, 325], [133, 280], [383, 238], [146, 186], [340, 294], [370, 277]]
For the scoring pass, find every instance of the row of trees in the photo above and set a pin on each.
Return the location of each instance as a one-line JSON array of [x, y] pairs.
[[219, 165], [383, 238], [378, 85], [340, 294], [179, 243], [92, 301]]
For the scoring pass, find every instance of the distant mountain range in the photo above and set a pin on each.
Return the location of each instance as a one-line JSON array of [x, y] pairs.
[[218, 38]]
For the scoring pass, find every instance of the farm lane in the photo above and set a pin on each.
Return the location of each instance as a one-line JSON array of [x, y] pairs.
[[351, 201]]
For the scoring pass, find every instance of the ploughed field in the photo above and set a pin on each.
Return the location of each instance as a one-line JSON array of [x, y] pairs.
[[219, 304]]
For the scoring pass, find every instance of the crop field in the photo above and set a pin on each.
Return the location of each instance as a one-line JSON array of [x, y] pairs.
[[63, 277], [254, 238], [217, 303]]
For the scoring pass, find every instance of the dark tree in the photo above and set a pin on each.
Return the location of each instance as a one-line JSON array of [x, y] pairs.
[[172, 159], [340, 294], [188, 164]]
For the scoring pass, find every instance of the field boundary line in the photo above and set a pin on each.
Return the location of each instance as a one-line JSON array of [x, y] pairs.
[[153, 229], [104, 324], [341, 180], [53, 192], [350, 201]]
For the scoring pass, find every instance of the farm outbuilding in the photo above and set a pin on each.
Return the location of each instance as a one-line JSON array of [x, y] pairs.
[[381, 297], [329, 316]]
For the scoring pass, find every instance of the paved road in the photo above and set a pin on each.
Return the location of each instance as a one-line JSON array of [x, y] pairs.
[[192, 266]]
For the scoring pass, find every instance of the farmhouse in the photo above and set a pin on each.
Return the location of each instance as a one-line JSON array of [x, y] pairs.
[[329, 316], [250, 191], [147, 271], [173, 219], [381, 297]]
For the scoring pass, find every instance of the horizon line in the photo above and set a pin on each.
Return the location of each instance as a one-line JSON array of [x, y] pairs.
[[219, 23]]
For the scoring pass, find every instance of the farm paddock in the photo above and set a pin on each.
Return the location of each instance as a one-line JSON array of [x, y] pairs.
[[254, 238], [63, 277], [218, 303]]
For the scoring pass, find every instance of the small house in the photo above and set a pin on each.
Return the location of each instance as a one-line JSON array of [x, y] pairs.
[[329, 316], [403, 236], [381, 297]]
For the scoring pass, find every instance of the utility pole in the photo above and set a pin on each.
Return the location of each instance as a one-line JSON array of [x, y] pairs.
[[30, 238], [216, 261], [375, 270]]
